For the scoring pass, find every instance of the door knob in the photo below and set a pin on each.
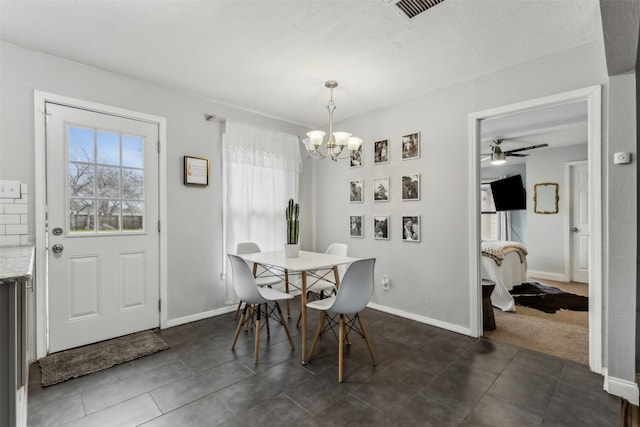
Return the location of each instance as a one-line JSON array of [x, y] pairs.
[[574, 229], [57, 248]]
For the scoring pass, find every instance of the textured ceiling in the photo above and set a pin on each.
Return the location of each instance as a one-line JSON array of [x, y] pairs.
[[272, 57]]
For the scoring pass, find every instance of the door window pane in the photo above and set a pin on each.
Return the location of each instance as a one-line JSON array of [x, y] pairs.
[[108, 148], [132, 152], [81, 179], [109, 215], [106, 182], [81, 145], [81, 215]]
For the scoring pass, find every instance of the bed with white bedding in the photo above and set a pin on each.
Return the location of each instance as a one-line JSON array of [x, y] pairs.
[[504, 263]]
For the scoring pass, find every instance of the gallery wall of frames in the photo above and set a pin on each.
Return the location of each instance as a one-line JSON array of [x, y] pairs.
[[384, 189]]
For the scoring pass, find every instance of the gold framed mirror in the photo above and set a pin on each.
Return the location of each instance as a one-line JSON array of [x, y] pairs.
[[545, 198]]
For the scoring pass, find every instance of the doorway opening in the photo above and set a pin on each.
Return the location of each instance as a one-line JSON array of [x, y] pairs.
[[515, 121]]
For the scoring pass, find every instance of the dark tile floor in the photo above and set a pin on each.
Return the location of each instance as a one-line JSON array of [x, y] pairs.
[[425, 377]]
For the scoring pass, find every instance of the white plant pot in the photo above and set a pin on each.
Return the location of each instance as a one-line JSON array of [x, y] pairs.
[[291, 250]]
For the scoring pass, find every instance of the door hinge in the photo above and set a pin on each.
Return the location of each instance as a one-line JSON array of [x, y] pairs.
[[159, 305], [158, 226], [158, 146]]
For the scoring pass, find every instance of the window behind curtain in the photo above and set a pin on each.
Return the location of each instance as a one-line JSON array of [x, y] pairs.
[[260, 173], [489, 225]]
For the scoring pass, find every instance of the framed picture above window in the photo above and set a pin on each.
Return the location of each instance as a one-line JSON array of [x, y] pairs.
[[196, 171], [411, 146], [355, 157], [381, 189], [356, 228], [355, 191], [381, 152], [381, 227], [411, 187], [411, 228]]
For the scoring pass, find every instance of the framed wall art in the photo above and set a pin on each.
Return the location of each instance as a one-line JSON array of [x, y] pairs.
[[411, 187], [381, 227], [355, 191], [411, 146], [381, 152], [381, 189], [411, 228], [356, 228], [196, 171], [355, 157]]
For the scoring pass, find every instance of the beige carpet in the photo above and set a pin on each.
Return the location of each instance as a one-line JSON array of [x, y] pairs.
[[564, 334], [64, 365]]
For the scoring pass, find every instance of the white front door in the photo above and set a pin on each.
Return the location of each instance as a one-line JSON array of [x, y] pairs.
[[579, 222], [102, 226]]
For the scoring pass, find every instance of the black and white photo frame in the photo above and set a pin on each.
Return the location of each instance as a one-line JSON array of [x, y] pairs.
[[411, 146], [355, 158], [381, 152], [411, 228], [381, 189], [356, 191], [381, 227], [411, 187], [356, 226]]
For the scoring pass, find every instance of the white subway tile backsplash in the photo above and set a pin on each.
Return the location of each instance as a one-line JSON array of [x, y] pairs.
[[9, 219], [10, 240], [16, 209], [14, 214], [17, 229]]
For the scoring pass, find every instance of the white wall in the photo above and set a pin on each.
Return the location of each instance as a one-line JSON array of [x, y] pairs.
[[547, 232], [430, 279], [194, 222]]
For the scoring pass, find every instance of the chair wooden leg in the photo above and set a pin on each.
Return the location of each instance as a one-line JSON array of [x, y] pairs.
[[235, 316], [286, 289], [347, 340], [366, 338], [266, 318], [286, 329], [317, 336], [256, 349], [240, 322], [340, 348]]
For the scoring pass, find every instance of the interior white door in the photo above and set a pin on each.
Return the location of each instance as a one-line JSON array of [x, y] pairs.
[[102, 226], [579, 222]]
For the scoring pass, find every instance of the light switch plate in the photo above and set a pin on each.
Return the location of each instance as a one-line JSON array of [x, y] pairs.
[[9, 189]]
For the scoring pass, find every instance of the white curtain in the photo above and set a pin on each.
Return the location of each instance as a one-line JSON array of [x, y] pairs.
[[260, 173]]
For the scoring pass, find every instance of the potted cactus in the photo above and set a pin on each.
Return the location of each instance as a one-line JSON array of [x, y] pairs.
[[293, 229]]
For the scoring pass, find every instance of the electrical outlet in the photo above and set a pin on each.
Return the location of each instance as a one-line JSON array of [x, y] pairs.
[[385, 283]]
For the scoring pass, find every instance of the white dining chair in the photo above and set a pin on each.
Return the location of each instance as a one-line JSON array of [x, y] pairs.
[[318, 288], [263, 277], [353, 295], [257, 298]]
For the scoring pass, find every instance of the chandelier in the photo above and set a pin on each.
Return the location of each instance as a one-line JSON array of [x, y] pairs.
[[337, 142]]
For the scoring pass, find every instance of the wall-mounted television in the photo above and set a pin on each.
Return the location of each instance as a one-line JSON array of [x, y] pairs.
[[509, 194]]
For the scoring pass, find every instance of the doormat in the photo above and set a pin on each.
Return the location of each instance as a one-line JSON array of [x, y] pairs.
[[76, 362], [547, 298]]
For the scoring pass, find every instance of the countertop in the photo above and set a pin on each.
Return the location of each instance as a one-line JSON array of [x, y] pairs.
[[16, 263]]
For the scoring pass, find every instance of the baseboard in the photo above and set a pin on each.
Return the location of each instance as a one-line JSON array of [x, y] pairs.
[[558, 277], [422, 319], [201, 316], [618, 387]]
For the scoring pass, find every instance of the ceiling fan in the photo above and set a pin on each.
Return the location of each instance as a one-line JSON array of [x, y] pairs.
[[499, 157]]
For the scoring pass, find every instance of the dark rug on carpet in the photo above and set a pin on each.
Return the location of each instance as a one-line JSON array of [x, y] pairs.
[[73, 363], [547, 298]]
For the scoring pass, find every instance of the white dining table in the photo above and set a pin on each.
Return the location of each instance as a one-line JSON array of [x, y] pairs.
[[304, 264]]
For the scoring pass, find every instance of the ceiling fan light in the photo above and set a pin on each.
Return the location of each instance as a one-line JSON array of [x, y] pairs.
[[498, 158]]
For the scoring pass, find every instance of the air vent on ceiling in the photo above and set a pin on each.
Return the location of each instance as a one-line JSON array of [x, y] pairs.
[[413, 8]]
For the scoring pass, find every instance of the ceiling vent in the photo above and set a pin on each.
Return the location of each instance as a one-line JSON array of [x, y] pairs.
[[413, 8]]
